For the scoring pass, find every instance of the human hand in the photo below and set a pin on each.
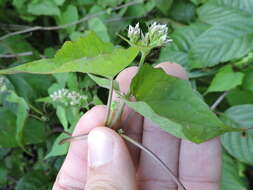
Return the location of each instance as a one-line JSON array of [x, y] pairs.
[[106, 162]]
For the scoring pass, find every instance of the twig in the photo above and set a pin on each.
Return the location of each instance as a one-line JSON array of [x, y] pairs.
[[108, 108], [219, 100], [74, 138], [36, 28], [156, 158], [29, 53]]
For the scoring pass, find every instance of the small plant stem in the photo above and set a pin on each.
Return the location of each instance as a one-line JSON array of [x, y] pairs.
[[156, 158], [219, 100], [74, 138], [143, 56], [109, 102], [36, 110]]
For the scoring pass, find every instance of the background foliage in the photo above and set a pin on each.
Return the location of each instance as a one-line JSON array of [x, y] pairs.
[[212, 39]]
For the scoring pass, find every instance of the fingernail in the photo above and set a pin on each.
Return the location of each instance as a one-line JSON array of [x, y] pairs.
[[100, 148]]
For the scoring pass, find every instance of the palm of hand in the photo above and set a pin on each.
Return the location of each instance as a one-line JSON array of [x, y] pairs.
[[197, 166]]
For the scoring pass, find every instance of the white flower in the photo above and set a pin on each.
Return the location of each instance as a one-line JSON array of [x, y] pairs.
[[156, 36], [134, 33], [68, 97]]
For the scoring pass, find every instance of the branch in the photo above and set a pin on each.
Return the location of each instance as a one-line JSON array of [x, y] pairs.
[[36, 28], [219, 100], [156, 158], [29, 53]]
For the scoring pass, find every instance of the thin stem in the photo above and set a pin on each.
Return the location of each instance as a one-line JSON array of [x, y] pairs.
[[219, 100], [74, 138], [86, 18], [109, 102], [143, 56], [29, 53], [156, 158], [36, 110]]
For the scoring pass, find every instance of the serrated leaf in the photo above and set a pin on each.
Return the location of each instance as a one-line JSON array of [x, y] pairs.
[[222, 43], [231, 180], [239, 145], [87, 55], [222, 11], [183, 38], [173, 105], [225, 79]]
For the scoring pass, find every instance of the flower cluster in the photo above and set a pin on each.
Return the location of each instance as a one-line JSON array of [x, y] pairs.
[[156, 36], [68, 97]]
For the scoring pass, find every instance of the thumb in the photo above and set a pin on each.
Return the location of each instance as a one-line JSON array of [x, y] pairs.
[[109, 163]]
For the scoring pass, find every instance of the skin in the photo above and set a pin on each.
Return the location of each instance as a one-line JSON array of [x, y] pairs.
[[196, 165]]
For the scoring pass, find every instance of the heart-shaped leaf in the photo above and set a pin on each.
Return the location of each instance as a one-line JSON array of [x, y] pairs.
[[88, 55], [171, 103]]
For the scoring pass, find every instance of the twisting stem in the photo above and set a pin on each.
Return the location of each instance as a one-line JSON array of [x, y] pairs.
[[109, 102], [156, 158]]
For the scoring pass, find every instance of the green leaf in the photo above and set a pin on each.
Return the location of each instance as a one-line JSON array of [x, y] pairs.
[[97, 25], [173, 105], [34, 131], [43, 7], [239, 145], [61, 114], [230, 37], [183, 10], [183, 38], [164, 5], [231, 179], [70, 15], [35, 180], [58, 149], [248, 81], [103, 82], [225, 79], [239, 96], [88, 55], [222, 11], [21, 111]]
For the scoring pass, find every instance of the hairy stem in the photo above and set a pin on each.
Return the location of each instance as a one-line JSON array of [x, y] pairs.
[[156, 158], [109, 102]]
